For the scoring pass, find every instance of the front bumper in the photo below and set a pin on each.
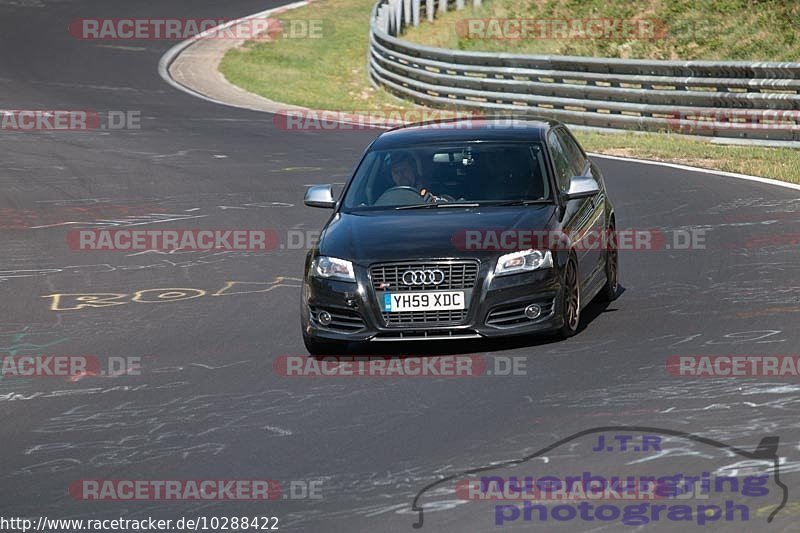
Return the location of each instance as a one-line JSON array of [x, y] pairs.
[[495, 308]]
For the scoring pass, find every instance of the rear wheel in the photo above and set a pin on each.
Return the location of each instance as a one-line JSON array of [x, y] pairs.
[[609, 291], [318, 347], [571, 308]]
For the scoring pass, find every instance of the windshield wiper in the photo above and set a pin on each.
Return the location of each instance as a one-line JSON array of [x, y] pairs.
[[522, 202], [442, 204]]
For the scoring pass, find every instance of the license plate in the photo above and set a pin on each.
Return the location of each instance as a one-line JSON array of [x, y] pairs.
[[396, 302]]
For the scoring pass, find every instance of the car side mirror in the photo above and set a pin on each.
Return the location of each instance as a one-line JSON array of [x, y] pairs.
[[320, 196], [582, 187]]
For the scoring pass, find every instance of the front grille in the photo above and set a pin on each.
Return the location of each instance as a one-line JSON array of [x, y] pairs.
[[343, 320], [514, 315], [457, 275], [424, 335], [425, 317]]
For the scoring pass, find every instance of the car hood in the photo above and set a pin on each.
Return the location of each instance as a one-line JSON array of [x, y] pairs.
[[370, 237]]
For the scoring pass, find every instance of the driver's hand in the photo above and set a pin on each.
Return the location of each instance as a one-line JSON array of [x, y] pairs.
[[427, 197], [430, 197]]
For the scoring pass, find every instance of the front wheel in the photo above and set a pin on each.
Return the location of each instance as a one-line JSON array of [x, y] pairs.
[[318, 347], [571, 307]]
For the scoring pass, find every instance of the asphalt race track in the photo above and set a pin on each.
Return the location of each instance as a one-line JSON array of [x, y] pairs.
[[208, 403]]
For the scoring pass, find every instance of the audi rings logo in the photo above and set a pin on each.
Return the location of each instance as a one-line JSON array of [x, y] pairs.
[[423, 277]]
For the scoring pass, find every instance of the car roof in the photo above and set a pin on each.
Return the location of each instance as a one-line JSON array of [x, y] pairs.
[[502, 128]]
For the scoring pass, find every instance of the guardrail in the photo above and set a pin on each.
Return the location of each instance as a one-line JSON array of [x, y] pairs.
[[733, 99]]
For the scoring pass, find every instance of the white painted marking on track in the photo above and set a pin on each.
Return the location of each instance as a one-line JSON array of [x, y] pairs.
[[170, 55], [278, 431], [747, 177], [119, 47]]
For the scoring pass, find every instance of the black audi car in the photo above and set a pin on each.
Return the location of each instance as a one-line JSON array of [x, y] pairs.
[[460, 229]]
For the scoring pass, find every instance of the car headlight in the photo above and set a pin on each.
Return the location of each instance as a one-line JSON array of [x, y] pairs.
[[333, 268], [523, 261]]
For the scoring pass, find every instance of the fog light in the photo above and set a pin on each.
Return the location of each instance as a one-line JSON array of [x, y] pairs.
[[324, 318], [533, 311]]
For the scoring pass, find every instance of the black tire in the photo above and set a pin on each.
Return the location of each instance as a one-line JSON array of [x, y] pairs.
[[571, 303], [318, 347], [610, 290]]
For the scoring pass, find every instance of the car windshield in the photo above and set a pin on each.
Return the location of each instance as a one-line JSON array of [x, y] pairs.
[[480, 173]]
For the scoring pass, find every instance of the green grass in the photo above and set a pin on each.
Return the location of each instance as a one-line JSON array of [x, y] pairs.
[[693, 29], [330, 73], [321, 73], [776, 163]]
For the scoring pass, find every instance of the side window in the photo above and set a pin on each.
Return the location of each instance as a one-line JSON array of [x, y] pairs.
[[573, 152], [560, 162]]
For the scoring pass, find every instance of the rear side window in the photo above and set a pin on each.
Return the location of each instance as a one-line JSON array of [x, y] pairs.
[[561, 163], [573, 152]]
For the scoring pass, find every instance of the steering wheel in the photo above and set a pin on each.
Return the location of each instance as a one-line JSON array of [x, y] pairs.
[[399, 195]]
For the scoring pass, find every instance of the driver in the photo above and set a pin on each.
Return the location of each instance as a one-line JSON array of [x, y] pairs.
[[404, 171], [404, 174]]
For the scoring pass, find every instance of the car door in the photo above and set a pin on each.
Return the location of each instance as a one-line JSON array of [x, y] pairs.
[[584, 218]]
